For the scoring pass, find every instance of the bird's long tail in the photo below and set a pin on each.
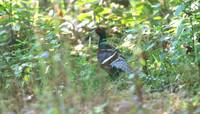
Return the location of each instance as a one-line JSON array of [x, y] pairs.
[[120, 63]]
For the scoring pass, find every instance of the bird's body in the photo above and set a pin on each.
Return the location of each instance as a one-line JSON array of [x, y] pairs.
[[113, 62], [109, 57]]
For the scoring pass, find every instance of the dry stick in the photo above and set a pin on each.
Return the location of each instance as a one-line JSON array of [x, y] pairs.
[[139, 89]]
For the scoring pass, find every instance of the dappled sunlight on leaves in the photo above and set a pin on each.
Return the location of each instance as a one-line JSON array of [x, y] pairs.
[[48, 60]]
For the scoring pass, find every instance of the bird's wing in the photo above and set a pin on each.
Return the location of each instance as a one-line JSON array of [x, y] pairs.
[[106, 55], [121, 64], [110, 58]]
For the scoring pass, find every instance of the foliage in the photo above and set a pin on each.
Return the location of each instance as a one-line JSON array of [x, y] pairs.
[[48, 65]]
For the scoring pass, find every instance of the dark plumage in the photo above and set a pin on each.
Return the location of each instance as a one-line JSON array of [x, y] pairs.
[[109, 57]]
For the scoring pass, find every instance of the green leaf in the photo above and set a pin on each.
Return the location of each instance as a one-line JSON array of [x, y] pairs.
[[98, 9], [83, 16], [26, 78], [2, 32], [105, 11], [157, 18], [179, 28], [131, 76], [16, 27], [179, 9]]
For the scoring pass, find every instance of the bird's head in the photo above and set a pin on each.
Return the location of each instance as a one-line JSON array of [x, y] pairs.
[[101, 32], [95, 34]]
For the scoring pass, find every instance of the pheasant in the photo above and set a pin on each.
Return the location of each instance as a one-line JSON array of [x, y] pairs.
[[109, 57], [113, 62]]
